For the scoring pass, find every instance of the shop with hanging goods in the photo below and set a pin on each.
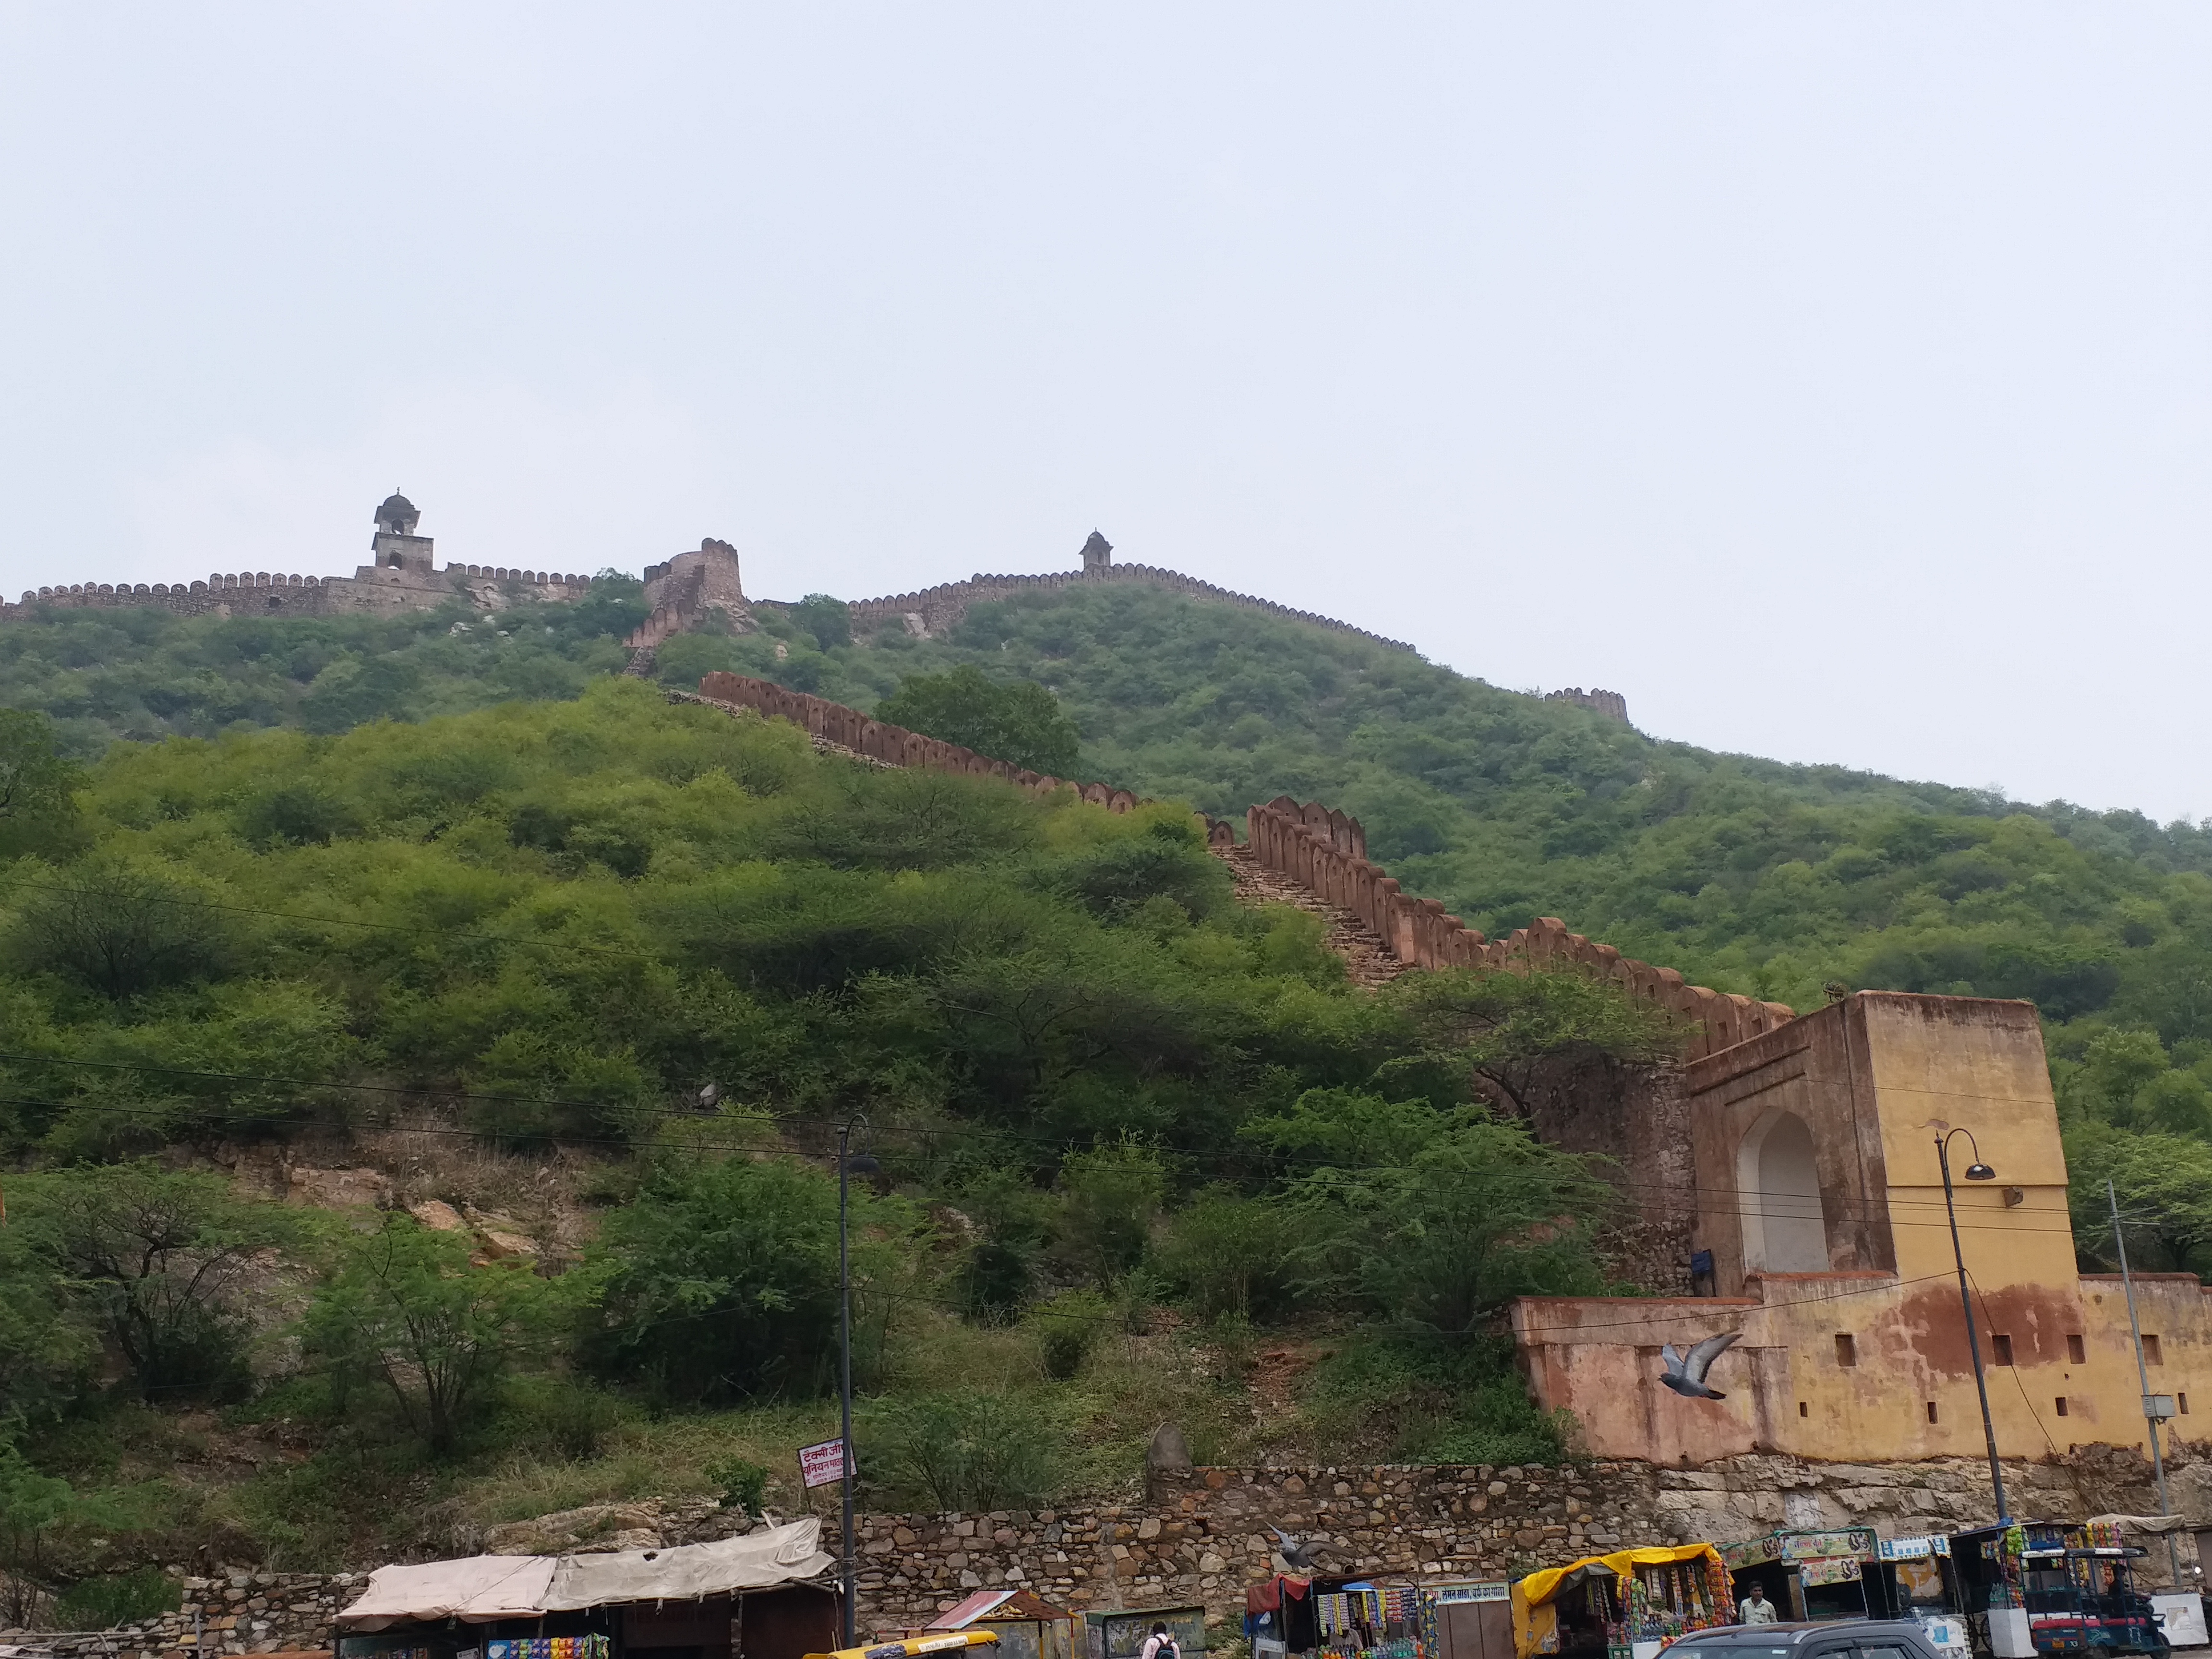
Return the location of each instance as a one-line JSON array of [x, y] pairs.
[[1367, 1618], [762, 1596], [2049, 1587], [1806, 1576], [1627, 1605]]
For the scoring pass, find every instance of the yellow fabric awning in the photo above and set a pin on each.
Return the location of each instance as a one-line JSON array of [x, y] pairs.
[[1534, 1616]]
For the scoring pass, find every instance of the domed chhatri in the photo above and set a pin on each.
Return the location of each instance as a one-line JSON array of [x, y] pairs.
[[397, 516]]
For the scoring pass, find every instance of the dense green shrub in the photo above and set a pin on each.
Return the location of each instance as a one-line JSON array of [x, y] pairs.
[[963, 1450]]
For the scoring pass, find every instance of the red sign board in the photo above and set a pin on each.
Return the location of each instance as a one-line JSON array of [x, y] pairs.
[[821, 1465]]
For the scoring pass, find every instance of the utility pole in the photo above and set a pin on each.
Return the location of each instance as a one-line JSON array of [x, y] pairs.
[[2143, 1377], [846, 1164]]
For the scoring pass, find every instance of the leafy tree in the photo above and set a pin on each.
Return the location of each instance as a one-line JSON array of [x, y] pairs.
[[2164, 1185], [1429, 1221], [404, 1307], [38, 783], [1110, 1196], [161, 1262], [37, 1512], [963, 1451], [829, 621], [1516, 1032], [1019, 723], [720, 1281], [121, 929]]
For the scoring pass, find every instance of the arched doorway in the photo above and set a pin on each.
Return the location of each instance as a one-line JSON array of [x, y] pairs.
[[1779, 1178]]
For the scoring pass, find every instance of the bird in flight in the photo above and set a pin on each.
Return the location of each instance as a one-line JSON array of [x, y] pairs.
[[1685, 1373], [1297, 1557]]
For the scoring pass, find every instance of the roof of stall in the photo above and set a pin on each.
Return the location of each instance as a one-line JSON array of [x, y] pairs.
[[480, 1589], [999, 1607]]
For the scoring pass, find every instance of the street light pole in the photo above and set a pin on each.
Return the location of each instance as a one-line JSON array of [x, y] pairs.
[[1977, 1170]]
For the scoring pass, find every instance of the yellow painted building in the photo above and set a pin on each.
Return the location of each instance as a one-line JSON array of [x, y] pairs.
[[1819, 1196]]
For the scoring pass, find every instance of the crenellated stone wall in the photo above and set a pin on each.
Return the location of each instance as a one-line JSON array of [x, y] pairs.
[[1326, 851], [249, 592], [934, 612], [894, 745]]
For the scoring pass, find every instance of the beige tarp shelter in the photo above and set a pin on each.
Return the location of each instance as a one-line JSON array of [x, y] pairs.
[[482, 1589]]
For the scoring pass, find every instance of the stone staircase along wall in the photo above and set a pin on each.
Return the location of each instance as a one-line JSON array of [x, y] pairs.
[[1326, 851]]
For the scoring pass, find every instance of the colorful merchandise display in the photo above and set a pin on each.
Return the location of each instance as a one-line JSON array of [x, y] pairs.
[[550, 1647], [2074, 1586], [1609, 1603]]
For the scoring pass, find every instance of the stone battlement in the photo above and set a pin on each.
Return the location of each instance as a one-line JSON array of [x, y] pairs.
[[934, 612]]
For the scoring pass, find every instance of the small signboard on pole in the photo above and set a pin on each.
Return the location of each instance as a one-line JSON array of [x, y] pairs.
[[823, 1465]]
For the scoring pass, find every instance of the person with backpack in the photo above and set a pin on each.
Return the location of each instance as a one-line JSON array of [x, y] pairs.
[[1160, 1645]]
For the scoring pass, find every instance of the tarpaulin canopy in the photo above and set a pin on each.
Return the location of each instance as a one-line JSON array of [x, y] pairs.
[[480, 1589], [2152, 1523], [1533, 1615]]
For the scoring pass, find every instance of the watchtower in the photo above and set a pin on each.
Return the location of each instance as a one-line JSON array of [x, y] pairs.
[[397, 546], [1097, 554]]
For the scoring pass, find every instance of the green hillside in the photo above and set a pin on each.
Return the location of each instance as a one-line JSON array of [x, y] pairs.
[[460, 905], [1119, 1122]]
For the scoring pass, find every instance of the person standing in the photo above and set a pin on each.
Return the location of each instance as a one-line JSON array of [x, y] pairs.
[[1160, 1645], [1755, 1608]]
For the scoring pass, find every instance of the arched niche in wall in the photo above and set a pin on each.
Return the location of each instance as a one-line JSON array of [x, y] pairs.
[[1778, 1182]]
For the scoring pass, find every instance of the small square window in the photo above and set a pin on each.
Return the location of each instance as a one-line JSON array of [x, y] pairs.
[[1847, 1351], [2075, 1353], [2001, 1349], [2151, 1356], [2062, 1405], [1931, 1411], [1803, 1412]]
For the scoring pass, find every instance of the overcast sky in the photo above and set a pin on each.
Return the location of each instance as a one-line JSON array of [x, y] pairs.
[[1831, 380]]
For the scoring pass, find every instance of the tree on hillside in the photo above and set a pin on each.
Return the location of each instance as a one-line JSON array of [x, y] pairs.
[[38, 784], [119, 928], [160, 1260], [1429, 1221], [1019, 721], [406, 1308]]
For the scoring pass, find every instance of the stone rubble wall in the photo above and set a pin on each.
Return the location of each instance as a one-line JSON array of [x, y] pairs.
[[240, 1613], [1202, 1535]]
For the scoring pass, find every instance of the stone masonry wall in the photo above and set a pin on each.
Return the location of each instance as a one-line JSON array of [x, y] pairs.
[[1312, 846], [240, 1613], [1202, 1535]]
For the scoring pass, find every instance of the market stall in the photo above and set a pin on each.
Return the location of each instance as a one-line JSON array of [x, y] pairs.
[[1806, 1575], [2049, 1587], [754, 1597], [1624, 1606], [1361, 1619], [1912, 1578], [1027, 1625]]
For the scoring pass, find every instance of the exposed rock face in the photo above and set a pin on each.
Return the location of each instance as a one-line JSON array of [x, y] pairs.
[[653, 1523]]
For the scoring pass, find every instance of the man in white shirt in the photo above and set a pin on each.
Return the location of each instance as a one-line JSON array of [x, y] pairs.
[[1755, 1608], [1159, 1644]]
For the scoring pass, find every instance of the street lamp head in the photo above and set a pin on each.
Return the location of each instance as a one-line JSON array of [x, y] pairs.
[[1980, 1172]]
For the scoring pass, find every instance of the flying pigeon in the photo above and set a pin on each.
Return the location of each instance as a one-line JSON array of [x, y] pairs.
[[1686, 1374], [1297, 1557]]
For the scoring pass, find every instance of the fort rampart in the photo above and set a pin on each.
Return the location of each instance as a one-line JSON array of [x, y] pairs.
[[938, 610], [894, 745], [261, 592], [1327, 852]]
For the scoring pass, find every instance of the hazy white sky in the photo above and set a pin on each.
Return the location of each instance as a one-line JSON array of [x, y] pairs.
[[1832, 379]]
